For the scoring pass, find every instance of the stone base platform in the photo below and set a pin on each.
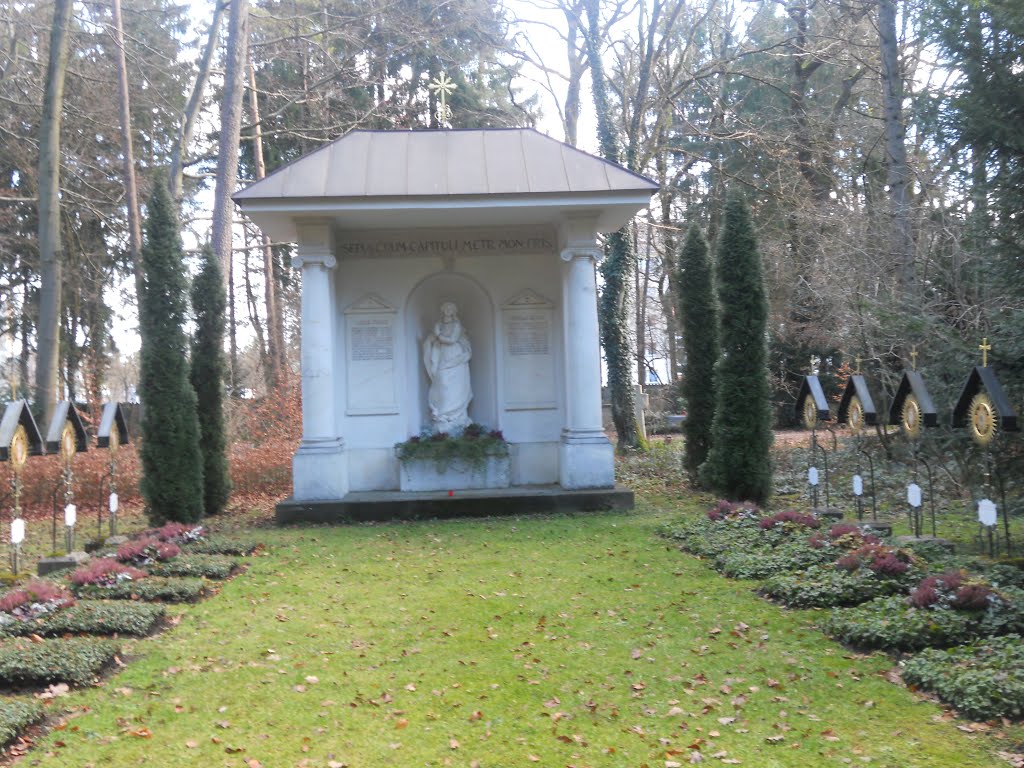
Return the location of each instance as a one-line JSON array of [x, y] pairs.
[[379, 506]]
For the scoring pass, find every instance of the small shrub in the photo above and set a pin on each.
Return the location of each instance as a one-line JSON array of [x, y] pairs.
[[890, 623], [105, 572], [982, 680], [168, 590], [790, 556], [823, 586], [790, 519], [147, 550], [729, 510], [32, 600], [223, 545], [75, 660], [198, 566], [16, 715], [878, 558]]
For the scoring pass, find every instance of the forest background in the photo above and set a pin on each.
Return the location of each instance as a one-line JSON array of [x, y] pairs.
[[880, 145]]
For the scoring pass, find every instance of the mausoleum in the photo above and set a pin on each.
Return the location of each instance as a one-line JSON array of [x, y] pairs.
[[448, 278]]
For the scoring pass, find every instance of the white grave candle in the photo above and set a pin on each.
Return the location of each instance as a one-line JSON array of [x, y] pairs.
[[987, 512], [914, 495], [17, 530]]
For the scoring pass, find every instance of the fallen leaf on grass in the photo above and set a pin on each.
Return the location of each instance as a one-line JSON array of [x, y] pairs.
[[192, 744]]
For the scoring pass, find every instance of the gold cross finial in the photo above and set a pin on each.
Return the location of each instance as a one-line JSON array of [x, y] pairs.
[[443, 87], [913, 358], [856, 361], [810, 368], [985, 348]]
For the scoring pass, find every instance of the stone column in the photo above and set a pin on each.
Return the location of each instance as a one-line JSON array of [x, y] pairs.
[[320, 466], [586, 458]]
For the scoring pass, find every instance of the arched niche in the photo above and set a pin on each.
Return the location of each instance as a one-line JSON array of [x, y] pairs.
[[476, 311]]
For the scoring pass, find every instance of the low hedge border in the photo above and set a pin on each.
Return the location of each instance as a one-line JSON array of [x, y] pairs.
[[73, 660], [982, 680], [164, 589], [16, 715], [223, 545], [92, 617], [217, 567], [823, 586]]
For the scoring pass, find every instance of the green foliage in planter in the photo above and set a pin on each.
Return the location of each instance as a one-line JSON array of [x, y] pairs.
[[91, 617], [222, 545], [823, 586], [759, 564], [889, 623], [165, 589], [16, 715], [982, 680], [75, 660], [473, 448], [197, 566]]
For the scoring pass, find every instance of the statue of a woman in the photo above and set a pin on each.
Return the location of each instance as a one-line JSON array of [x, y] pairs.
[[446, 355]]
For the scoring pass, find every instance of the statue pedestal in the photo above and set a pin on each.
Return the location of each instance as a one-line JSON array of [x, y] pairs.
[[424, 475]]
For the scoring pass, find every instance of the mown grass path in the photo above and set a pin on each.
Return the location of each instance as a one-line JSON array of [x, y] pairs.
[[554, 641]]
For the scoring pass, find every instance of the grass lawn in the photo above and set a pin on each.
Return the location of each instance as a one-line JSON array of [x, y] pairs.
[[550, 641]]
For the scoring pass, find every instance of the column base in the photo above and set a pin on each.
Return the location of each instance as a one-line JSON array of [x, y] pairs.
[[320, 470], [586, 460]]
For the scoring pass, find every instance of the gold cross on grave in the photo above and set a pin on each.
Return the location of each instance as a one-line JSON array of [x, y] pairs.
[[985, 348], [913, 358], [443, 87], [856, 362]]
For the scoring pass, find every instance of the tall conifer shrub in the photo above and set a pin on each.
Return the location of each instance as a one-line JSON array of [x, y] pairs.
[[699, 314], [738, 466], [207, 375], [172, 466]]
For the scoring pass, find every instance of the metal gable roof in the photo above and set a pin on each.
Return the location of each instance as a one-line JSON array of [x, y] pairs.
[[439, 163]]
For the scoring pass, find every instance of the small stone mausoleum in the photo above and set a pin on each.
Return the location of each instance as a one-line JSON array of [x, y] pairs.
[[448, 277]]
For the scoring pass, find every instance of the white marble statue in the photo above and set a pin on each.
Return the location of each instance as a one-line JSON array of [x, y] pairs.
[[446, 356]]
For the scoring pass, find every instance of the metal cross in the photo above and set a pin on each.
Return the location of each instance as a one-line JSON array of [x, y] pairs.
[[985, 348], [913, 358], [443, 87], [857, 362]]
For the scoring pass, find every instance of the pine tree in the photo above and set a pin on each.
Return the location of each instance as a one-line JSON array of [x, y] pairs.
[[699, 316], [738, 465], [172, 464], [207, 375]]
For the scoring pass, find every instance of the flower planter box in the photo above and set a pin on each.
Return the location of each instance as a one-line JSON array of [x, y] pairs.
[[426, 475]]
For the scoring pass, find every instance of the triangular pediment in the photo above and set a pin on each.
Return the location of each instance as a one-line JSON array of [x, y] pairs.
[[528, 299], [66, 413], [112, 422], [371, 302], [18, 413]]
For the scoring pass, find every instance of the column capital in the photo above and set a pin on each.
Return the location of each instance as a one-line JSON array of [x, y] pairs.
[[311, 258], [582, 252]]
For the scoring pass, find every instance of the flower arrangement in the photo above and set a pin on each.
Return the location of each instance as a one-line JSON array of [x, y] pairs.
[[952, 589], [105, 572], [33, 600], [880, 559], [147, 550], [178, 533], [474, 446]]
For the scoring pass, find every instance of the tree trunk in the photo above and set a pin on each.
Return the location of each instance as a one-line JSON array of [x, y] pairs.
[[275, 327], [896, 150], [175, 182], [50, 250], [131, 192], [227, 155]]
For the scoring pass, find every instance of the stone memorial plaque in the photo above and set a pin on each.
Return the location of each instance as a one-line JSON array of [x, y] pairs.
[[914, 495], [370, 358], [812, 475], [858, 485], [529, 360], [987, 513]]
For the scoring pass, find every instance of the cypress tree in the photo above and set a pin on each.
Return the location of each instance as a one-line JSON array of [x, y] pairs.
[[172, 465], [207, 375], [699, 315], [738, 465]]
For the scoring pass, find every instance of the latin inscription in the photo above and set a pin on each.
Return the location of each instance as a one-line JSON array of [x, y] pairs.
[[528, 333], [372, 339], [442, 246]]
